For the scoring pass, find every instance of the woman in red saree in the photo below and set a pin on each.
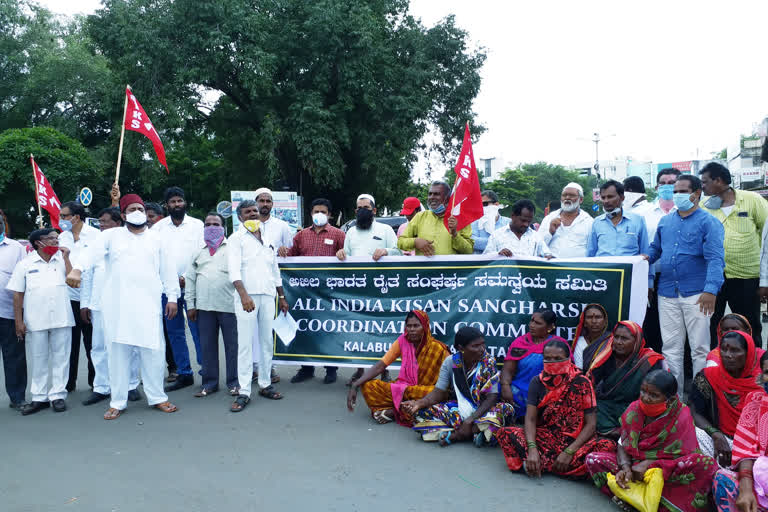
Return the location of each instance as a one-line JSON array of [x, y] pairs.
[[657, 432], [421, 357], [560, 420]]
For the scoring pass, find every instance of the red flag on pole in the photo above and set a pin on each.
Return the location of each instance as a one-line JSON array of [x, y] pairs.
[[138, 121], [466, 201], [46, 197]]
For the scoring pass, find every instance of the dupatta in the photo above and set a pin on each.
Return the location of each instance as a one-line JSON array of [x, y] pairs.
[[469, 387]]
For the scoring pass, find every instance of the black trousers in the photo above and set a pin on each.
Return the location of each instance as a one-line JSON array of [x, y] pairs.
[[14, 361], [741, 297], [86, 329], [169, 360], [651, 328]]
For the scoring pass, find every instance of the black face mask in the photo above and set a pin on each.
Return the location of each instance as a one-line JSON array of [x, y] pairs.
[[364, 218]]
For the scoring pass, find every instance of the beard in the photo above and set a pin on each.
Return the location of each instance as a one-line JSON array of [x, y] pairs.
[[364, 219], [568, 206], [264, 211], [177, 213]]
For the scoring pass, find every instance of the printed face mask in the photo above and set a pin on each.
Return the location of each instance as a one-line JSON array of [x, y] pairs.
[[65, 225], [319, 219]]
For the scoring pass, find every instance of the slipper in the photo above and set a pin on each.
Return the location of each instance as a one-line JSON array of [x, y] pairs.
[[271, 393], [112, 413], [234, 391], [445, 440], [205, 392], [479, 440], [382, 418], [166, 407], [240, 403]]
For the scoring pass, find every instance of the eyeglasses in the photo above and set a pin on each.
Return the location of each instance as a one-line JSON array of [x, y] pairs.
[[66, 216], [486, 203]]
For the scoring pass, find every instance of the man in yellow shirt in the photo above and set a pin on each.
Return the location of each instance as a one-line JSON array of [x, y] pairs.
[[743, 215], [426, 232]]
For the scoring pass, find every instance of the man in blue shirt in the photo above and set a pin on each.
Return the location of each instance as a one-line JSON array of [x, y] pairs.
[[483, 228], [689, 248], [616, 233]]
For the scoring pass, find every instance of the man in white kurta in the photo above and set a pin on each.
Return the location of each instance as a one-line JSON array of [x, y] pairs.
[[256, 277], [138, 270], [44, 317], [518, 238]]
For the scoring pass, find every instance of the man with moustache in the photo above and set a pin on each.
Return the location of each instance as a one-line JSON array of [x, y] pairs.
[[616, 233], [426, 232], [139, 268], [181, 236], [566, 230]]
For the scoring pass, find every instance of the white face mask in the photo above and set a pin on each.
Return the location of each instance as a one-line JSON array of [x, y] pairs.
[[569, 207], [630, 198], [320, 219], [137, 218]]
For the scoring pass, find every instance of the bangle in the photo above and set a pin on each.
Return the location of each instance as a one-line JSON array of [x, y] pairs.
[[570, 451], [745, 473], [532, 444], [710, 430]]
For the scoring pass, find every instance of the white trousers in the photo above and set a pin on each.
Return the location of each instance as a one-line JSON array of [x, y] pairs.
[[51, 346], [100, 358], [260, 318], [678, 316], [152, 362]]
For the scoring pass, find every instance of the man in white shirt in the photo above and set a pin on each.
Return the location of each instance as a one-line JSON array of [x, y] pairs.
[[209, 296], [256, 277], [277, 234], [518, 238], [181, 236], [91, 289], [634, 197], [44, 317], [14, 355], [75, 236], [139, 268], [566, 231]]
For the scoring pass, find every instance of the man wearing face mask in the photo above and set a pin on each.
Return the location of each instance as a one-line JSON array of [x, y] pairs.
[[634, 196], [616, 233], [14, 356], [181, 236], [44, 317], [665, 186], [368, 237], [320, 239], [209, 297], [426, 232], [76, 235], [689, 248], [743, 215], [254, 273], [566, 231], [140, 268], [483, 228]]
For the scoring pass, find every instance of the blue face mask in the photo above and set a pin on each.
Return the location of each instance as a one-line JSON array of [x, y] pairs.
[[65, 225], [439, 210], [683, 201], [666, 192], [714, 203]]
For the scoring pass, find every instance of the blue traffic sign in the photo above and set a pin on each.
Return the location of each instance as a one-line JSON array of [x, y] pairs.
[[86, 196], [595, 207]]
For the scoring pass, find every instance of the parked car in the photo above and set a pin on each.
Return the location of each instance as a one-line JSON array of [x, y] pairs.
[[393, 222]]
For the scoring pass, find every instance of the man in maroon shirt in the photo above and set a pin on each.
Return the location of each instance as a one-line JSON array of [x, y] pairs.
[[320, 239]]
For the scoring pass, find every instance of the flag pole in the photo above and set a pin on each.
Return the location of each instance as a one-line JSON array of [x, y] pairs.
[[122, 134], [37, 197]]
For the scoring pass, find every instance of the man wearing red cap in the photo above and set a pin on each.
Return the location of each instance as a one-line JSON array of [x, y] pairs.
[[411, 206], [139, 270]]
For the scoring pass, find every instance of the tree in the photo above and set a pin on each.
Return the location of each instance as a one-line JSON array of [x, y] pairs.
[[331, 97], [64, 161]]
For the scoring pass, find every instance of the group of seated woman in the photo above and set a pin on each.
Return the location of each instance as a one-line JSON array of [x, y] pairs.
[[603, 405]]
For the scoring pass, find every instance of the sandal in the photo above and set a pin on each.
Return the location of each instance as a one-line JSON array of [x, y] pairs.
[[445, 440], [205, 392], [274, 376], [234, 391], [112, 413], [271, 393], [382, 418], [239, 404], [166, 407]]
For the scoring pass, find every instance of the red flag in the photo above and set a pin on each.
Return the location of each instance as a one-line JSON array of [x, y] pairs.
[[466, 203], [138, 121], [46, 197]]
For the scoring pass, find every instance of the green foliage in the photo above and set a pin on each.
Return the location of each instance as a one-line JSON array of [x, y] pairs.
[[541, 183], [64, 161]]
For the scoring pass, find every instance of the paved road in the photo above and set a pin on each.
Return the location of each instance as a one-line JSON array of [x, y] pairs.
[[305, 452]]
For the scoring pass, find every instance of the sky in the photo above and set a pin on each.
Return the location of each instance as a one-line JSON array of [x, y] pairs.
[[660, 81]]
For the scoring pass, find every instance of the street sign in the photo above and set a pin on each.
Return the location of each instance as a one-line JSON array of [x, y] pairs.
[[86, 196], [224, 209], [595, 207]]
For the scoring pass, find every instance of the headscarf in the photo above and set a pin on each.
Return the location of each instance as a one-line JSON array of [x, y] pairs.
[[556, 384], [640, 351], [580, 327], [128, 200], [722, 382], [666, 438], [713, 358]]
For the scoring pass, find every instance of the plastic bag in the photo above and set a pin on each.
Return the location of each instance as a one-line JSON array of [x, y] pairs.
[[285, 327], [644, 496]]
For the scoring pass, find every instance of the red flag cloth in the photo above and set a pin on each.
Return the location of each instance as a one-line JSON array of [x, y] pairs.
[[466, 203], [46, 197], [138, 121]]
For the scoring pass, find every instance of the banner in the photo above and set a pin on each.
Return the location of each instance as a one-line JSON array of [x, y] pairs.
[[349, 313], [46, 197], [285, 206]]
